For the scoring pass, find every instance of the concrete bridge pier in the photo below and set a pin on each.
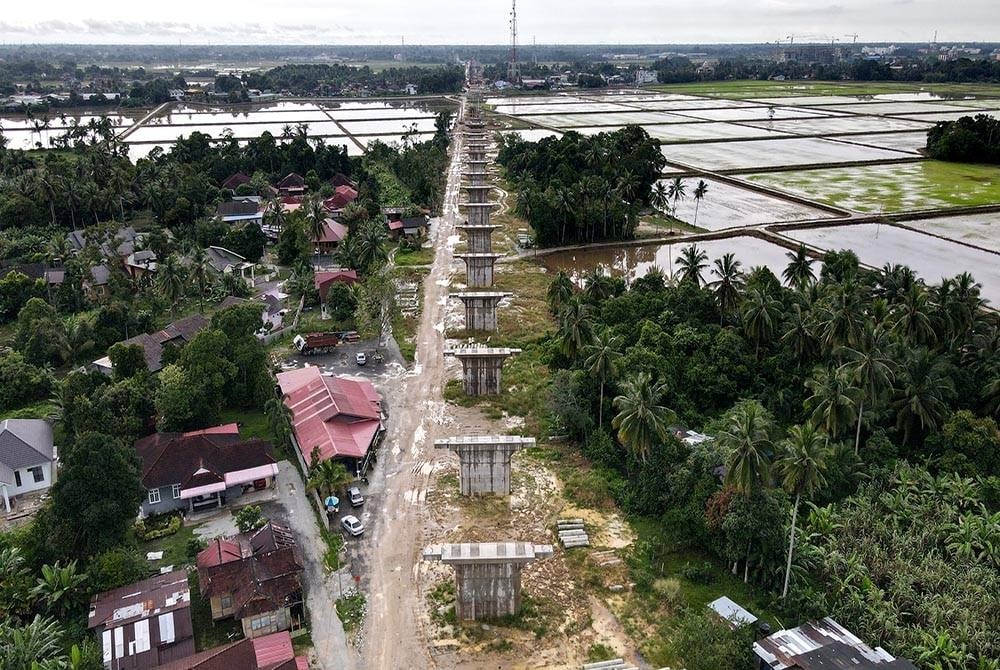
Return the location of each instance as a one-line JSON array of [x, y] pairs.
[[481, 309], [478, 239], [478, 194], [477, 177], [479, 269], [481, 367], [478, 213], [484, 461], [487, 575]]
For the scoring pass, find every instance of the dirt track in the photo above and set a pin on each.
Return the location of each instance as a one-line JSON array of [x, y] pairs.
[[392, 636]]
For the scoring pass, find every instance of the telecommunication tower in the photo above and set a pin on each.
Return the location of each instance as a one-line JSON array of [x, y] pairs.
[[513, 68]]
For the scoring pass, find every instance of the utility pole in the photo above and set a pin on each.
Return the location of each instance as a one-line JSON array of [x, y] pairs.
[[513, 69]]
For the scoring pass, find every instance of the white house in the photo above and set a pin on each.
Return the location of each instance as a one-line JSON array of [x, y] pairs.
[[27, 457]]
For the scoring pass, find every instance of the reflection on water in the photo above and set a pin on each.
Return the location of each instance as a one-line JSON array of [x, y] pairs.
[[632, 262]]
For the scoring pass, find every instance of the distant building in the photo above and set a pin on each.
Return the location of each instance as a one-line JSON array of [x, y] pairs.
[[343, 195], [233, 182], [235, 211], [645, 77], [811, 54], [144, 625], [324, 279], [332, 235], [292, 184], [822, 645]]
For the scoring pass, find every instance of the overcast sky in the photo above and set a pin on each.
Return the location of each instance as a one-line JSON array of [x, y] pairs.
[[485, 21]]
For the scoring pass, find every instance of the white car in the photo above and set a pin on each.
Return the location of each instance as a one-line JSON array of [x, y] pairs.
[[352, 525], [360, 358]]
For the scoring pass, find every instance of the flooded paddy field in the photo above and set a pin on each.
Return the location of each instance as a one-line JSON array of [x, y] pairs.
[[982, 230], [755, 113], [726, 205], [891, 188], [603, 119], [911, 142], [561, 108], [751, 154], [930, 257], [692, 103], [532, 134], [632, 262], [832, 125], [953, 116], [712, 130], [898, 108], [239, 130]]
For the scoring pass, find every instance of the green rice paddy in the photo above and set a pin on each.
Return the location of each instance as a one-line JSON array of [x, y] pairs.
[[891, 188]]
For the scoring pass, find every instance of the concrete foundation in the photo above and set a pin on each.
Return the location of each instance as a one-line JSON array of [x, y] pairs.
[[478, 269], [484, 461], [478, 213], [481, 368], [481, 309], [478, 239], [487, 575]]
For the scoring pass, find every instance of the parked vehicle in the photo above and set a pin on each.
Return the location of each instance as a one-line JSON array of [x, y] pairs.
[[352, 525], [360, 358], [354, 495], [316, 343]]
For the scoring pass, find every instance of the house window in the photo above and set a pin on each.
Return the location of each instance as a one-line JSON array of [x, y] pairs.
[[261, 622], [227, 602], [17, 478], [154, 496], [175, 491], [37, 474]]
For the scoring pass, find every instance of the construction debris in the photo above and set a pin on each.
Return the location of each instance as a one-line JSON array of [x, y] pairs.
[[572, 533]]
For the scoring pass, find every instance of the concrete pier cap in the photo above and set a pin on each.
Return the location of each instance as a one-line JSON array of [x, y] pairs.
[[487, 552], [484, 461]]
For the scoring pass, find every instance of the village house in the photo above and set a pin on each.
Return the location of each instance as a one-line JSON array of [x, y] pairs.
[[144, 625], [233, 182], [324, 279], [27, 458], [333, 234], [343, 195], [411, 227], [178, 333], [226, 262], [141, 264], [271, 652], [202, 469], [254, 578], [292, 184], [239, 210], [338, 418], [819, 645]]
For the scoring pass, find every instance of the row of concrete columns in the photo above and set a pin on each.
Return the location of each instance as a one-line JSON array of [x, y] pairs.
[[487, 574]]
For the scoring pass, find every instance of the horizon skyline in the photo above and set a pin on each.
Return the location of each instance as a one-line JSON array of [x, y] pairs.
[[449, 23]]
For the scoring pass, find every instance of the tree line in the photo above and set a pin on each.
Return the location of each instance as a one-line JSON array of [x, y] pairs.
[[853, 461]]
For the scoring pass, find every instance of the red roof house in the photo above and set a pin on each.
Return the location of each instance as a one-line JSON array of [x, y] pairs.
[[340, 417], [326, 278], [341, 198], [271, 652], [333, 234], [235, 181], [292, 184]]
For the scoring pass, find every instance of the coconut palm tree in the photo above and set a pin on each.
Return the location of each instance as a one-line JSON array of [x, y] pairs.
[[925, 386], [912, 316], [691, 263], [328, 478], [576, 328], [761, 314], [799, 272], [833, 404], [279, 419], [602, 360], [641, 421], [746, 437], [700, 190], [798, 334], [729, 283], [840, 316], [659, 198], [871, 368], [560, 292], [801, 466], [200, 272], [316, 216], [371, 249], [676, 191], [599, 286], [170, 280]]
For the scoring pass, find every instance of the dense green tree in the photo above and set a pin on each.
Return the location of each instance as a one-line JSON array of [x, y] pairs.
[[127, 360], [745, 436], [602, 360], [641, 421]]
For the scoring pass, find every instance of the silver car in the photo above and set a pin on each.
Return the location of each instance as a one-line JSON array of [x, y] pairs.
[[352, 525], [354, 495]]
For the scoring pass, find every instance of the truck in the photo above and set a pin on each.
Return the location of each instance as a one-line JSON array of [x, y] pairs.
[[308, 344]]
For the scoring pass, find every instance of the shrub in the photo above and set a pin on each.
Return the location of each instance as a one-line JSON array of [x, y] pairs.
[[155, 527], [249, 518], [194, 546], [668, 588], [698, 574]]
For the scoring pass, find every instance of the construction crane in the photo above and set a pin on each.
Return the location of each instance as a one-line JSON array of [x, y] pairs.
[[790, 38], [513, 68], [854, 37]]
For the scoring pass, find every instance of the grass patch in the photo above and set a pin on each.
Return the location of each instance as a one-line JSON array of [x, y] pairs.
[[174, 548], [252, 422], [404, 331], [334, 544], [411, 257], [208, 633], [351, 611], [442, 603], [598, 652], [892, 188], [665, 225]]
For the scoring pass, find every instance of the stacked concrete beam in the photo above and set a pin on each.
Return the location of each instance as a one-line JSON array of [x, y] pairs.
[[484, 461], [487, 575], [481, 367], [481, 309]]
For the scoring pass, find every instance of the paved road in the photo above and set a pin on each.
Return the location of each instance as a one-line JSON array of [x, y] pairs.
[[292, 508]]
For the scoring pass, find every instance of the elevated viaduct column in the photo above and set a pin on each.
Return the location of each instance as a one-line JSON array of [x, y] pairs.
[[479, 269], [478, 238], [481, 367], [481, 309], [487, 575], [484, 461]]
